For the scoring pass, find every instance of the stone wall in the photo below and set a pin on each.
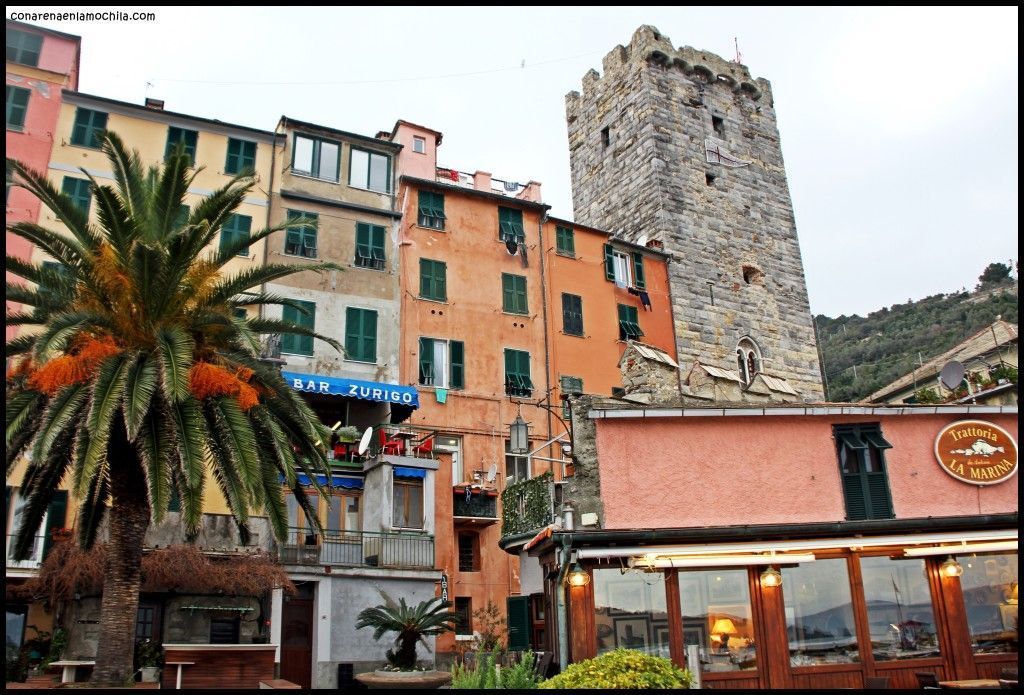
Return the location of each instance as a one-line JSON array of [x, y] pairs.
[[639, 137]]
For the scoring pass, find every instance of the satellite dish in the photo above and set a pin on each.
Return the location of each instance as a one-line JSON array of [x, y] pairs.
[[952, 374], [641, 240], [512, 245], [492, 473], [364, 441]]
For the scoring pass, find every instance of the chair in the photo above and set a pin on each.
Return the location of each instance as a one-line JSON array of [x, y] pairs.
[[425, 448], [876, 682], [389, 446], [927, 679]]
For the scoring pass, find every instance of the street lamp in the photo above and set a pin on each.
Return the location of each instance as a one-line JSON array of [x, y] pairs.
[[519, 436]]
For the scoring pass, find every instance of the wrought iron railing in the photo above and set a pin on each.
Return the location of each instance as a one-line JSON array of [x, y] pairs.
[[394, 549], [527, 505], [479, 504]]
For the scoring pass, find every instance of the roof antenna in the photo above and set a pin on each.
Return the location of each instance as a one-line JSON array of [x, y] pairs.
[[739, 56]]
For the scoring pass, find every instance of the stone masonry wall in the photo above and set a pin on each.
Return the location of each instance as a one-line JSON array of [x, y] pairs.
[[637, 151]]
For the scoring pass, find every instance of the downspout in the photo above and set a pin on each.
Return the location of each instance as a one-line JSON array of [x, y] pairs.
[[544, 308], [561, 617], [270, 205]]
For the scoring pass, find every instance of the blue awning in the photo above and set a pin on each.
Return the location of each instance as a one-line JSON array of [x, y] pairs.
[[336, 481], [353, 388], [403, 472]]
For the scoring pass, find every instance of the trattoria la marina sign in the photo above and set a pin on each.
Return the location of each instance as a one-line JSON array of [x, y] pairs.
[[977, 452]]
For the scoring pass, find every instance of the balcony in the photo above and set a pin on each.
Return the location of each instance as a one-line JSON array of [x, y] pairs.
[[479, 506], [388, 549], [527, 505]]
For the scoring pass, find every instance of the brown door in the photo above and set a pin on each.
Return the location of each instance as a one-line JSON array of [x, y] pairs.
[[297, 639]]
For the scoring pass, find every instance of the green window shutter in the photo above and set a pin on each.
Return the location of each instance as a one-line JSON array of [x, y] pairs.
[[629, 323], [88, 126], [507, 293], [56, 517], [80, 192], [865, 480], [23, 47], [511, 362], [430, 212], [518, 623], [433, 280], [307, 320], [301, 240], [362, 244], [565, 241], [572, 314], [609, 263], [377, 234], [177, 135], [299, 344], [234, 229], [513, 294], [457, 350], [17, 107], [426, 361], [853, 493], [524, 371], [510, 224], [638, 270], [361, 334], [878, 495], [241, 156]]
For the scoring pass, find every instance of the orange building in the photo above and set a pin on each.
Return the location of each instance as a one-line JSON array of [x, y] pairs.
[[503, 310]]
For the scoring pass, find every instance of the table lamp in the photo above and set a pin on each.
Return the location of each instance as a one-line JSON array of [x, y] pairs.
[[724, 627]]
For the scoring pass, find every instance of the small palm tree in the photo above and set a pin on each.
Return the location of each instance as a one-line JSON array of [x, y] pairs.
[[411, 625], [141, 376]]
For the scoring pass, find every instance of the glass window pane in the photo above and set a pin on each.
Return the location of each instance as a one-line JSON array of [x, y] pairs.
[[328, 168], [899, 604], [359, 168], [630, 611], [334, 513], [989, 584], [378, 173], [718, 619], [819, 614], [399, 516], [303, 163], [351, 513], [415, 493]]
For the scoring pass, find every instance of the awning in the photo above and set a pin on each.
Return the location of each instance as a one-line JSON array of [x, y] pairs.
[[402, 472], [353, 388], [336, 481]]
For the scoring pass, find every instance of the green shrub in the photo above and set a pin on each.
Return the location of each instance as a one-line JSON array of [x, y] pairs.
[[484, 676], [622, 668], [520, 675]]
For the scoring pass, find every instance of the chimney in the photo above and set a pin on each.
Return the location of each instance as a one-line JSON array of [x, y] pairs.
[[383, 135], [656, 244], [531, 192], [155, 104], [482, 181]]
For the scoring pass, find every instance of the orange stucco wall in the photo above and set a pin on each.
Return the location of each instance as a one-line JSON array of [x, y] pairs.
[[697, 471]]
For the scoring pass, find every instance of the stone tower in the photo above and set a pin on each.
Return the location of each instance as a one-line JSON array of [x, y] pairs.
[[681, 147]]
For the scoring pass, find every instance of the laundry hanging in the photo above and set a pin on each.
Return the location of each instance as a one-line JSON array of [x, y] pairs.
[[645, 299]]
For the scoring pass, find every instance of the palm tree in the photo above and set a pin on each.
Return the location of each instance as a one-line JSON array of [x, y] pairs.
[[141, 377], [411, 625]]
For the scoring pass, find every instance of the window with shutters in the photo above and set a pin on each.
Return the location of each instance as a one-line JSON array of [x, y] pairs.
[[80, 192], [433, 280], [305, 316], [88, 126], [629, 323], [183, 136], [241, 156], [624, 269], [300, 240], [360, 334], [513, 294], [442, 363], [861, 451], [572, 314], [235, 230], [565, 242], [519, 622], [370, 246], [316, 157], [463, 616], [517, 373], [469, 552], [17, 107], [430, 210], [23, 47], [510, 225]]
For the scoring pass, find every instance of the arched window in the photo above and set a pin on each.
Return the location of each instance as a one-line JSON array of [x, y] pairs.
[[748, 360]]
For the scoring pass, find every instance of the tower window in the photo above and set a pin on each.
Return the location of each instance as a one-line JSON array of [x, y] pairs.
[[709, 179], [752, 275], [748, 360], [718, 124], [606, 136]]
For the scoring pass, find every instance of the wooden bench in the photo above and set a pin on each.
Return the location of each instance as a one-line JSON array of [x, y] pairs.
[[69, 666], [279, 684]]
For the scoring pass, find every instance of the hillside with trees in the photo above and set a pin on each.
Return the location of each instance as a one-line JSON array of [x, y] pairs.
[[862, 354]]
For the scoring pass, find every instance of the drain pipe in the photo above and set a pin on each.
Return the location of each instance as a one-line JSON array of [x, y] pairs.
[[562, 617]]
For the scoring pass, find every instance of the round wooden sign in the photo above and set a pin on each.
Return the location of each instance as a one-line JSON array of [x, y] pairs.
[[976, 452]]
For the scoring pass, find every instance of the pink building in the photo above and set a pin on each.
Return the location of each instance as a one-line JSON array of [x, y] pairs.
[[41, 64], [787, 546]]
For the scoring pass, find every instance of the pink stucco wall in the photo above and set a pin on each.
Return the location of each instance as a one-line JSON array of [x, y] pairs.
[[419, 165], [711, 471]]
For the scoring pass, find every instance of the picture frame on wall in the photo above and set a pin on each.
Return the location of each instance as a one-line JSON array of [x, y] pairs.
[[695, 634], [625, 594], [633, 633], [660, 633]]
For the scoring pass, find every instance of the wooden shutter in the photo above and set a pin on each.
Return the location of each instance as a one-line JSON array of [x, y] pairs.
[[638, 270], [518, 623], [426, 361], [458, 356], [609, 263]]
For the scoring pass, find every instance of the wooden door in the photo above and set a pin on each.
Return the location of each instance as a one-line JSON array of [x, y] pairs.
[[297, 641]]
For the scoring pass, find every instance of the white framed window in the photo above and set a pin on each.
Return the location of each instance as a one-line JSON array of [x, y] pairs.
[[623, 274], [315, 157], [17, 511], [748, 360], [419, 145], [369, 170]]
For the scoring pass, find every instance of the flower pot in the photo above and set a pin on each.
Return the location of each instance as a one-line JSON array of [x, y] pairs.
[[404, 680], [150, 674]]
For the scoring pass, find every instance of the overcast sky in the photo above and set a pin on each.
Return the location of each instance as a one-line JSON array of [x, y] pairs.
[[899, 126]]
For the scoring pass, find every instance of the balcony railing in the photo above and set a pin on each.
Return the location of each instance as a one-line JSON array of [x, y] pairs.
[[527, 505], [479, 504], [391, 549]]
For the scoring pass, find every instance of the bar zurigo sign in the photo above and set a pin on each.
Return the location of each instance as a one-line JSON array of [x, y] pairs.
[[976, 452]]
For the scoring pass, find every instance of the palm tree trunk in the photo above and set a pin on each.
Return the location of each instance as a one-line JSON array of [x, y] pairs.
[[122, 576]]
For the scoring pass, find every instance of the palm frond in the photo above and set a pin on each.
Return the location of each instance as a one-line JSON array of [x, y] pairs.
[[174, 348]]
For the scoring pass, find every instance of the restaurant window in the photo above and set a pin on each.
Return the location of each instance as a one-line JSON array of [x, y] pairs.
[[463, 615], [899, 605], [360, 334], [442, 363], [241, 156], [469, 552], [572, 314], [369, 170], [300, 240], [718, 619], [430, 210], [433, 280], [517, 466], [819, 614], [862, 464], [565, 242], [316, 157], [370, 246], [236, 229], [629, 323], [630, 611], [989, 585], [188, 138], [88, 127], [303, 315], [510, 225], [408, 503]]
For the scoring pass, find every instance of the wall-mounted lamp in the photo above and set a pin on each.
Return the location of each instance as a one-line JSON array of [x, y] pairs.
[[578, 576], [951, 568], [771, 577]]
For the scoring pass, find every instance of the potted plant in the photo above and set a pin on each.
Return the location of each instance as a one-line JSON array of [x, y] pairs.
[[149, 655], [348, 434], [411, 624]]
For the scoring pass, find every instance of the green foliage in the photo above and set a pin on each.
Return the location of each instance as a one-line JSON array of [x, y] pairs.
[[1004, 371], [520, 675], [994, 274], [484, 675], [58, 643], [927, 396], [888, 343], [526, 505], [626, 669], [148, 653], [491, 627], [411, 624]]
